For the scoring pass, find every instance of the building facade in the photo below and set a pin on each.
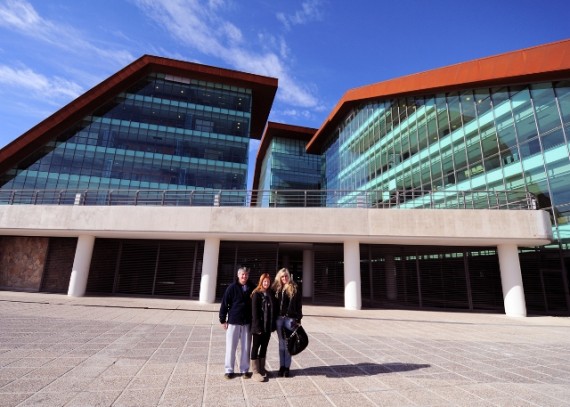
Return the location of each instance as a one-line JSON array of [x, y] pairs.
[[167, 134], [498, 124], [170, 126]]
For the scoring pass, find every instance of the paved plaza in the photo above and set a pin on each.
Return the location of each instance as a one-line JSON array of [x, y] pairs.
[[109, 351]]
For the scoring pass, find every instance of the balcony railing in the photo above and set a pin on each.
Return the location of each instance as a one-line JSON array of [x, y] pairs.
[[276, 198]]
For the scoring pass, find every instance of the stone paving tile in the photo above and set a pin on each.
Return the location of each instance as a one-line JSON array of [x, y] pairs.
[[139, 398], [312, 400], [457, 395], [45, 399], [13, 399], [389, 398], [23, 385], [12, 373], [367, 384], [93, 399], [176, 397], [109, 383], [423, 397], [350, 400], [333, 385]]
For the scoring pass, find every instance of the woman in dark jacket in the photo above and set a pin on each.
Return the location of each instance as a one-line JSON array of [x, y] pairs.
[[290, 313], [263, 322]]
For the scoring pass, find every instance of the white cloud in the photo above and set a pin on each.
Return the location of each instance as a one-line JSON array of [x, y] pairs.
[[199, 24], [20, 16], [296, 113], [269, 42], [190, 21], [310, 11], [40, 85]]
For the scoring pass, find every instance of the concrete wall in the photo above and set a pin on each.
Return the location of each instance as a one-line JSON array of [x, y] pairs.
[[374, 226]]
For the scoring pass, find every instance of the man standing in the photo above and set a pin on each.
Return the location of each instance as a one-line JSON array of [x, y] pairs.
[[235, 317]]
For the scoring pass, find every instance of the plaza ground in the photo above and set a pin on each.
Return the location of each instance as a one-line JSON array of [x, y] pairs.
[[57, 350]]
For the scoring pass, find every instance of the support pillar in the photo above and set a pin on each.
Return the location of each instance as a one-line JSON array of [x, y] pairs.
[[209, 270], [390, 272], [352, 284], [81, 263], [308, 273], [511, 280]]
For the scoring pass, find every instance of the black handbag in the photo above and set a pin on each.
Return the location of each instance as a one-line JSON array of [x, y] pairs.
[[297, 339]]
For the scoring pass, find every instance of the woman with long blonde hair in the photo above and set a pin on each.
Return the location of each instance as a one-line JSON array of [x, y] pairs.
[[289, 314]]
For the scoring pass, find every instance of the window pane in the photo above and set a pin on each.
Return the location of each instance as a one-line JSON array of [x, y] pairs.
[[563, 93], [545, 107]]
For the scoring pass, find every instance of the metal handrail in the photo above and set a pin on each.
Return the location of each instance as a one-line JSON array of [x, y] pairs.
[[412, 199]]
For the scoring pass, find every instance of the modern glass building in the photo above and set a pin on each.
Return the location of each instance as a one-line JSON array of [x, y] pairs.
[[497, 124], [169, 125], [457, 140], [284, 165]]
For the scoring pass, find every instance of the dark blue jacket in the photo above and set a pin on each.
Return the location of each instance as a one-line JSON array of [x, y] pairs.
[[236, 304]]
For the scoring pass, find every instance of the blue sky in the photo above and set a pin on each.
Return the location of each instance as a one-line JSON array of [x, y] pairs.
[[53, 51]]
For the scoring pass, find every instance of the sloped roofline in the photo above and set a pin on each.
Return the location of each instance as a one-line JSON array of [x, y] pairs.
[[546, 62], [263, 88], [272, 130]]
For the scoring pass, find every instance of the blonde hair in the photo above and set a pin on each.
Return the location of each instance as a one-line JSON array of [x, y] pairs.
[[290, 288]]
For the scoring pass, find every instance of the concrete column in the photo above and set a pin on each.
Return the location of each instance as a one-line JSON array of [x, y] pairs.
[[307, 273], [81, 263], [352, 289], [390, 272], [511, 280], [209, 270]]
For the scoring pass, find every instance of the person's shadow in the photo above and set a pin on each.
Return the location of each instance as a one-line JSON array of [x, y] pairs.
[[359, 369]]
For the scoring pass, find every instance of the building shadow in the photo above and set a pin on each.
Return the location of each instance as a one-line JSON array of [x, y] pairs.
[[359, 369]]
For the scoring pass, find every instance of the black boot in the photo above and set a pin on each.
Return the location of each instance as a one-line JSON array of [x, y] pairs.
[[285, 372], [281, 372], [262, 370]]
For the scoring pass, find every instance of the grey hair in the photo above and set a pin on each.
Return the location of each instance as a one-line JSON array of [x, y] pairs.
[[242, 269]]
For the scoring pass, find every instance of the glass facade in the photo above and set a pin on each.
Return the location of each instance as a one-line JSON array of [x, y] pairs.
[[164, 132], [287, 166], [504, 138]]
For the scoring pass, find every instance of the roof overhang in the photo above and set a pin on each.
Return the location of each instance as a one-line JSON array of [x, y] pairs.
[[547, 62], [264, 89]]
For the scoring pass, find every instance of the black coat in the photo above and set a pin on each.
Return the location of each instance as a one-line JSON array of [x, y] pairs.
[[236, 304], [263, 312], [290, 307]]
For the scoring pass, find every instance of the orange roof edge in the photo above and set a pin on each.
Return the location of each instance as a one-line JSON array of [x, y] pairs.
[[542, 62]]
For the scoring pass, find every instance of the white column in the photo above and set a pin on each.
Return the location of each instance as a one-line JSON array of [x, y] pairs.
[[307, 273], [81, 263], [209, 270], [390, 272], [511, 280], [352, 289]]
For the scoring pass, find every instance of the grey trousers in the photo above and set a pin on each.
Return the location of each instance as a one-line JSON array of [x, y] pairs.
[[235, 334]]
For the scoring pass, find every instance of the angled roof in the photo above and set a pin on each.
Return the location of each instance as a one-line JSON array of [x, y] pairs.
[[263, 88], [541, 63], [273, 130]]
